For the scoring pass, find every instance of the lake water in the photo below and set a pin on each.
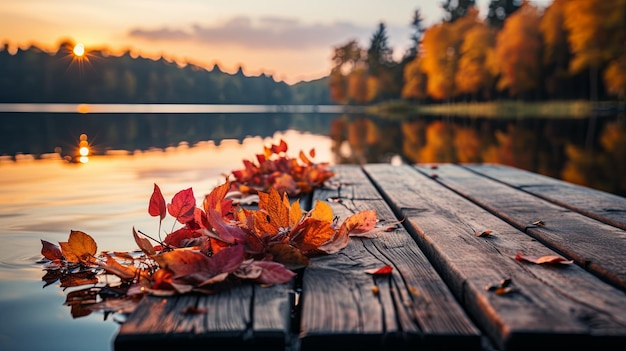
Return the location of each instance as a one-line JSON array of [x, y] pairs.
[[45, 193]]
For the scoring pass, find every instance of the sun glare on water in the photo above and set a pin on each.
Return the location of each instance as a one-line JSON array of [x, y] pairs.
[[79, 50]]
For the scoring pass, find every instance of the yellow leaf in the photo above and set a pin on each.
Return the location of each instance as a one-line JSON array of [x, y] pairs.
[[322, 211], [69, 255], [80, 247]]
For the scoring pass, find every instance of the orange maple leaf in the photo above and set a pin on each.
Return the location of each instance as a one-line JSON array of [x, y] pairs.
[[79, 248]]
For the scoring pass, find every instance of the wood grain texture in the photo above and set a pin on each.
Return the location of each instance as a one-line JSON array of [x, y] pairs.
[[602, 206], [412, 307], [596, 246], [564, 305], [238, 315]]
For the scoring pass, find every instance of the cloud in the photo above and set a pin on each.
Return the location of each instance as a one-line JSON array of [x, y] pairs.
[[264, 33]]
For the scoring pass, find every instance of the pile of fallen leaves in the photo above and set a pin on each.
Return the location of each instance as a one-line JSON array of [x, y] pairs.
[[216, 241], [275, 169]]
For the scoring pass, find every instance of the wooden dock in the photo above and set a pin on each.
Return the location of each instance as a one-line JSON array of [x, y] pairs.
[[438, 295]]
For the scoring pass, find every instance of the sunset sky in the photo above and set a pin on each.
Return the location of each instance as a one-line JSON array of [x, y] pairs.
[[291, 40]]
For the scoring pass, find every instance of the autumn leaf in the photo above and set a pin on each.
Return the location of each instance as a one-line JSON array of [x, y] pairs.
[[380, 271], [176, 238], [226, 232], [156, 206], [144, 244], [214, 199], [273, 273], [290, 256], [80, 248], [112, 266], [264, 272], [51, 251], [183, 206], [549, 259], [197, 269], [361, 223], [280, 147], [275, 169], [483, 233]]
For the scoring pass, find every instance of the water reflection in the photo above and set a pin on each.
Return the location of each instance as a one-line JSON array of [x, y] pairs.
[[584, 151], [557, 148]]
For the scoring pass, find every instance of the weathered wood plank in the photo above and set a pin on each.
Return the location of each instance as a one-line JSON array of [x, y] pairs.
[[413, 307], [239, 315], [596, 246], [564, 306], [600, 205]]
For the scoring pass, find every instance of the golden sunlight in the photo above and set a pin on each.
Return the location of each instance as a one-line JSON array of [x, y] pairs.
[[79, 50]]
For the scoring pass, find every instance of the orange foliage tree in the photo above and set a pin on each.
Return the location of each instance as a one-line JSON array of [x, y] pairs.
[[473, 75], [517, 58], [415, 80]]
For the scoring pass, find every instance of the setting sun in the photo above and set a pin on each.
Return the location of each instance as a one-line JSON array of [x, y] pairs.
[[79, 50]]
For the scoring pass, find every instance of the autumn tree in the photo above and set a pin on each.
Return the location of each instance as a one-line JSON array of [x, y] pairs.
[[357, 86], [473, 75], [442, 47], [556, 50], [346, 59], [597, 35], [615, 77], [415, 80], [518, 52], [437, 62], [338, 87], [349, 54]]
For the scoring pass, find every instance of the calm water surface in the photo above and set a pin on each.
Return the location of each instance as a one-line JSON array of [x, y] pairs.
[[106, 197], [42, 196]]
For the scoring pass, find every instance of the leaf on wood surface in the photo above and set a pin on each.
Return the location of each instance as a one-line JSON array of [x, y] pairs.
[[288, 255], [384, 270], [361, 223], [502, 288], [273, 272], [483, 233], [193, 310], [548, 259], [275, 169], [156, 206]]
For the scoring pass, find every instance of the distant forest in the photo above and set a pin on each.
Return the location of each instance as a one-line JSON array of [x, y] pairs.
[[572, 49], [34, 75]]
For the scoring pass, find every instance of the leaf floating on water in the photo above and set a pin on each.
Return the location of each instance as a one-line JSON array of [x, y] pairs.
[[549, 259], [51, 251]]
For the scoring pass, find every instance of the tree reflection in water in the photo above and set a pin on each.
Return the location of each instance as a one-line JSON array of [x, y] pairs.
[[557, 148]]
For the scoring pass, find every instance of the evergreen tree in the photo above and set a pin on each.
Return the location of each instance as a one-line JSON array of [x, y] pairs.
[[418, 26], [379, 54], [499, 10], [456, 9]]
